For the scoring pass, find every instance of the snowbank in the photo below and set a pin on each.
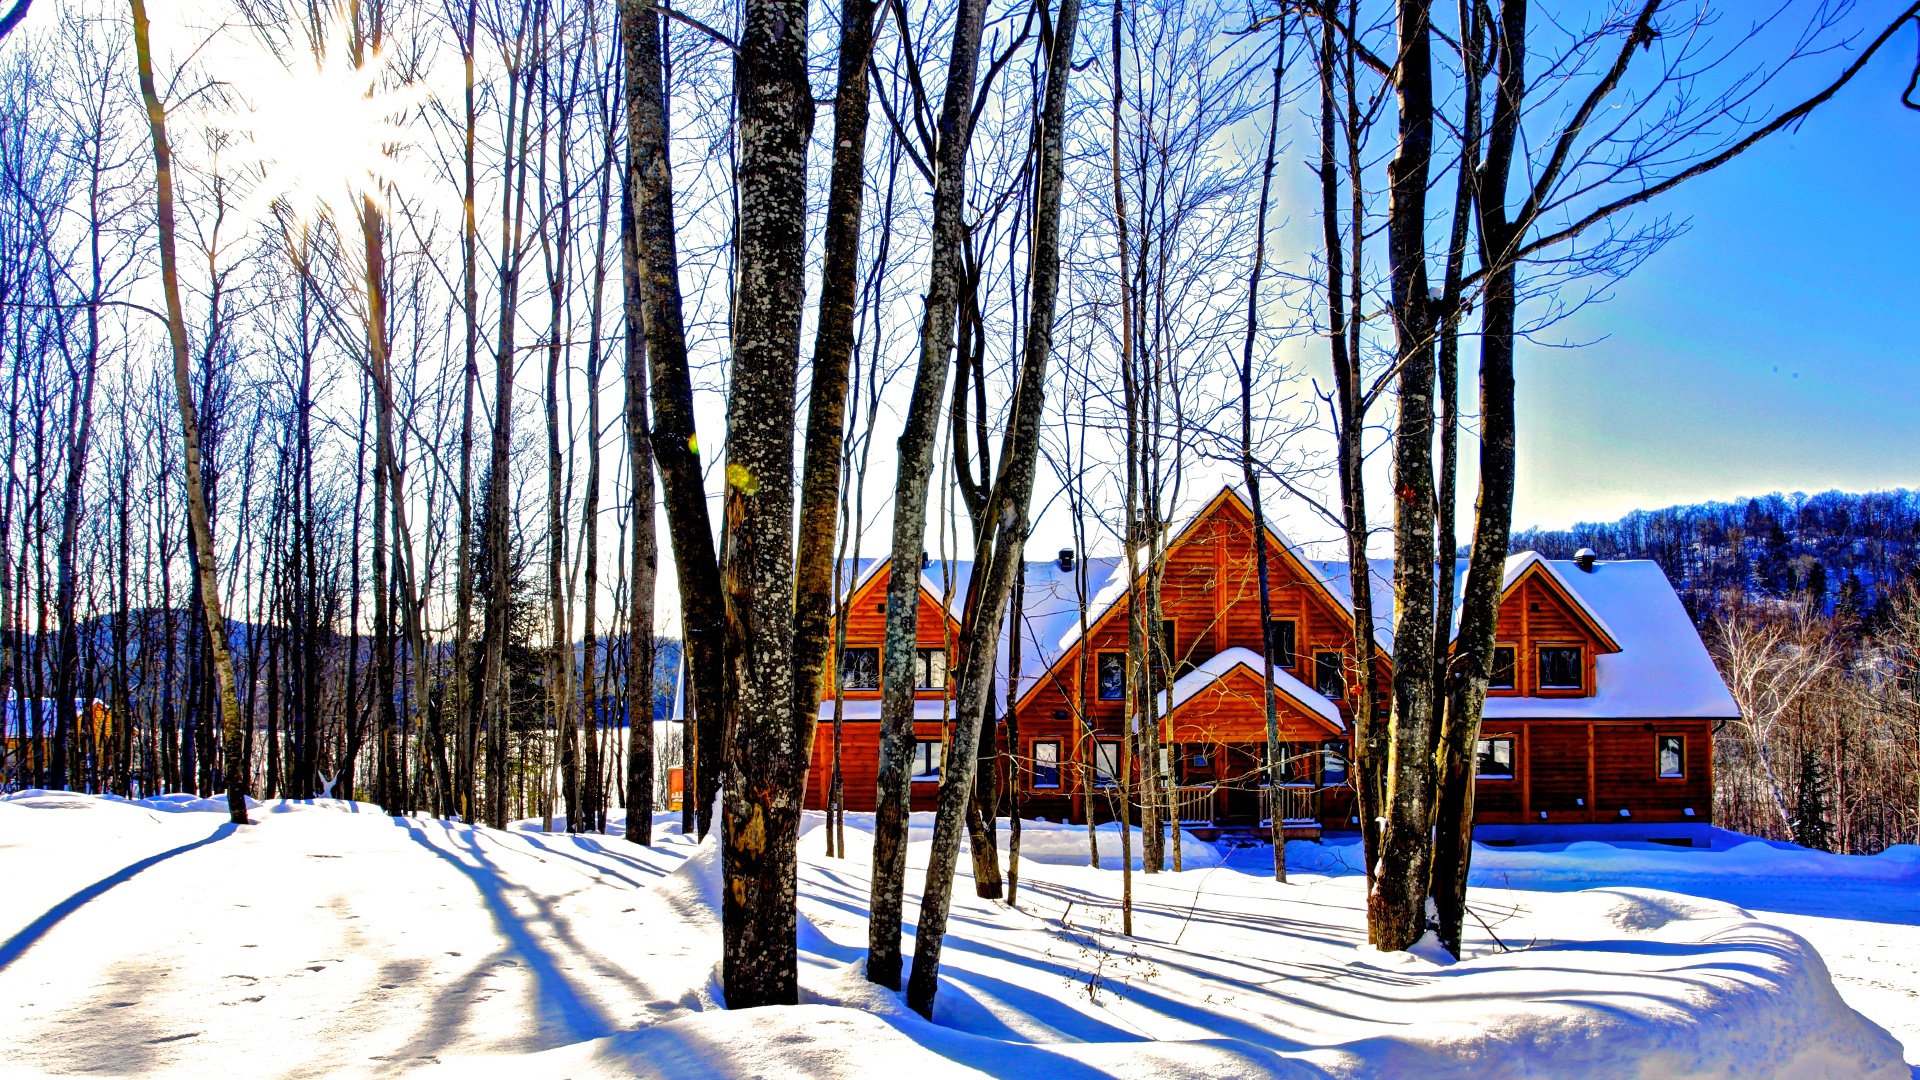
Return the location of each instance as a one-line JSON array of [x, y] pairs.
[[135, 941]]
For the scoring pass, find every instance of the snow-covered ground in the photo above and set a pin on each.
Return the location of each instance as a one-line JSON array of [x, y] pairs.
[[330, 940]]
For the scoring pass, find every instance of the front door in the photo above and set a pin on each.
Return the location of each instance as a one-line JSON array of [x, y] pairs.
[[1240, 777]]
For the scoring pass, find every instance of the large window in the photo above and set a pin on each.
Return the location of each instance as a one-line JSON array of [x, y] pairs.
[[1280, 641], [1672, 757], [1495, 757], [1330, 675], [926, 761], [1560, 667], [1046, 765], [860, 669], [1106, 762], [1501, 678], [930, 669], [1112, 676], [1333, 764]]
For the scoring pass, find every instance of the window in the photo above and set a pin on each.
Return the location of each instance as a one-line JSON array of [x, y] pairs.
[[1673, 757], [1280, 638], [1106, 762], [1495, 758], [1168, 642], [860, 669], [1113, 676], [1046, 764], [1560, 667], [1501, 678], [930, 669], [1330, 675], [926, 761], [1333, 764]]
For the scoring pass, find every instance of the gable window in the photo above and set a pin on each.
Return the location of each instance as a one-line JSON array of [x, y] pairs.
[[1106, 762], [1280, 639], [1112, 676], [926, 761], [1495, 758], [1330, 675], [1672, 757], [860, 669], [1501, 677], [1046, 764], [1560, 667], [930, 669]]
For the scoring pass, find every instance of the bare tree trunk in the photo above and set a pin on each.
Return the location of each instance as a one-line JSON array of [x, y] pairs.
[[208, 570], [640, 646], [832, 350], [465, 784], [499, 541], [765, 774], [914, 468], [675, 447], [1251, 473]]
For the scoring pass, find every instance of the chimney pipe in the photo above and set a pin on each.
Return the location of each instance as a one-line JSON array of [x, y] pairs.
[[1584, 559], [1065, 560]]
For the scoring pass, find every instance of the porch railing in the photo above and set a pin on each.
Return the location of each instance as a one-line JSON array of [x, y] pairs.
[[1296, 803], [1194, 805]]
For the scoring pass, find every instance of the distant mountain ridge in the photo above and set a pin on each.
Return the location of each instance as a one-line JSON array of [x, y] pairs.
[[1840, 552]]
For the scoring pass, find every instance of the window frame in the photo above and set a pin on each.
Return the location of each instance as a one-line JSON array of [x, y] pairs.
[[1033, 756], [1574, 689], [1513, 671], [849, 651], [1659, 741], [920, 756], [1293, 643], [922, 666], [1100, 678], [1096, 773], [1340, 665], [1513, 757]]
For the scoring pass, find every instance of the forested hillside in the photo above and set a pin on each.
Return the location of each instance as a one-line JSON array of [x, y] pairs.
[[1847, 553]]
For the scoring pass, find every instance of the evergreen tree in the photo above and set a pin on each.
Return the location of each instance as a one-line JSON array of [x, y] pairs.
[[1851, 602], [1810, 827]]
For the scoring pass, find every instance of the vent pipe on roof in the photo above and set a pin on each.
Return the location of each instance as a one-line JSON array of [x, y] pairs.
[[1065, 560], [926, 560], [1584, 559]]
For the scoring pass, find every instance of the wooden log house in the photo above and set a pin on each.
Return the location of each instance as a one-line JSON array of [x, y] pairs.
[[1601, 714]]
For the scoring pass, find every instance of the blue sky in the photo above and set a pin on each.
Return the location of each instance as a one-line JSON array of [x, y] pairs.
[[1773, 347]]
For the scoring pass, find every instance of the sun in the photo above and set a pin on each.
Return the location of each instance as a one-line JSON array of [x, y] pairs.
[[323, 131]]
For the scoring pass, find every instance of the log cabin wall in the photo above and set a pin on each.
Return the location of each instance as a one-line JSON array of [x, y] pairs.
[[860, 748]]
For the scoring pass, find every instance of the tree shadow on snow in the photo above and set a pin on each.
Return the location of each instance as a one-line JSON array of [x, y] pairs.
[[17, 945]]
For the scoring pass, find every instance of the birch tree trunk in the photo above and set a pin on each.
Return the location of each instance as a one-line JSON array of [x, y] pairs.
[[207, 568]]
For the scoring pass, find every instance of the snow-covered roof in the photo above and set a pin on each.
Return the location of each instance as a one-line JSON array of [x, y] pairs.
[[1223, 663], [1336, 576], [1662, 670]]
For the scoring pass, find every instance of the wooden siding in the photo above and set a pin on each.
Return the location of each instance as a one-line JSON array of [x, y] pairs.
[[1587, 771]]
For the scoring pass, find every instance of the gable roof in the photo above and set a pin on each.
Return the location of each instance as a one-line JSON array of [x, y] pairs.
[[1518, 566], [1329, 576], [1223, 664], [1662, 670]]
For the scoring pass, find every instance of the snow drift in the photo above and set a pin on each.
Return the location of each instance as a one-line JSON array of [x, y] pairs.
[[329, 939]]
